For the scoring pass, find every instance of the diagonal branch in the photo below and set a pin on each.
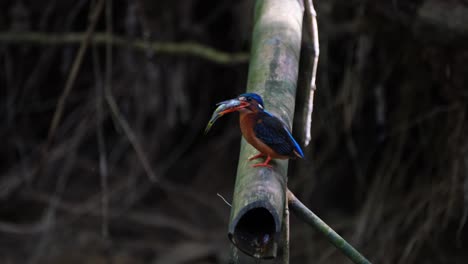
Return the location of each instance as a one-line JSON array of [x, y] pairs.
[[312, 219], [122, 122], [74, 72]]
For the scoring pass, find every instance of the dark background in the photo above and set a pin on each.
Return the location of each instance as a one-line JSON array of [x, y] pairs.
[[387, 167]]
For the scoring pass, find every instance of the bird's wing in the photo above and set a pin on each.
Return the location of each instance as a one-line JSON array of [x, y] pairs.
[[274, 133]]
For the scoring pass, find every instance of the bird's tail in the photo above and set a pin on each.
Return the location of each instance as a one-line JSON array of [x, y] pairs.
[[298, 155]]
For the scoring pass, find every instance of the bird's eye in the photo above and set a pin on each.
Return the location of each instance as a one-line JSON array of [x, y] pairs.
[[249, 99]]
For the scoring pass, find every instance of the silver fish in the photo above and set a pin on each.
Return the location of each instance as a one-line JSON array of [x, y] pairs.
[[222, 106]]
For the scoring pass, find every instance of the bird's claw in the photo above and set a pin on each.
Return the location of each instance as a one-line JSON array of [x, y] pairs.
[[262, 165], [259, 155]]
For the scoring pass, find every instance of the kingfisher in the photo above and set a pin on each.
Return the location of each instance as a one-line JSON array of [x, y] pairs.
[[264, 131]]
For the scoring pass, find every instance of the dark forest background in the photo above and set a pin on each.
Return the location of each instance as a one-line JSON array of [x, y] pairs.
[[127, 176]]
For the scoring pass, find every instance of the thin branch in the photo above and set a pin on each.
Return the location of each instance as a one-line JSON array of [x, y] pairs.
[[49, 215], [23, 229], [109, 98], [103, 159], [285, 236], [312, 30], [224, 200], [101, 146], [122, 122], [84, 43], [309, 217], [135, 217], [99, 38]]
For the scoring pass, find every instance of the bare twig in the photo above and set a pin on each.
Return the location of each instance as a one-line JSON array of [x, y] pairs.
[[74, 71], [130, 135], [23, 229], [49, 215], [122, 122], [285, 236], [224, 199], [102, 147], [103, 161], [171, 48], [312, 30], [48, 218], [103, 169], [137, 217]]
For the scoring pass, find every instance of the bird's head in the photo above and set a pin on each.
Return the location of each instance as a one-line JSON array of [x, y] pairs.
[[247, 102], [244, 103]]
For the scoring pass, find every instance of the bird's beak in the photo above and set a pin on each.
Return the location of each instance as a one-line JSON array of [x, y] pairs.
[[225, 107], [230, 106]]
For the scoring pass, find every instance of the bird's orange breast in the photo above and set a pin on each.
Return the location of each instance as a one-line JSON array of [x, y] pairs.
[[247, 123]]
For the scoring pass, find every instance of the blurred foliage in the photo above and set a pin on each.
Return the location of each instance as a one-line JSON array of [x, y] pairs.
[[387, 167]]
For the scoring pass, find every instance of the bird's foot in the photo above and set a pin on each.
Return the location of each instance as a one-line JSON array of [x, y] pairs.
[[264, 164], [259, 155]]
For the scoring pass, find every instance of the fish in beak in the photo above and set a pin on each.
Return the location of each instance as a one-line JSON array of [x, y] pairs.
[[223, 108]]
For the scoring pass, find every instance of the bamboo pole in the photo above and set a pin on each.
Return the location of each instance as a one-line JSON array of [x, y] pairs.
[[259, 194]]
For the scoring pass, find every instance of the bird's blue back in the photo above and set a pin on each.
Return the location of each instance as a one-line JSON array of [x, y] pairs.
[[274, 133]]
